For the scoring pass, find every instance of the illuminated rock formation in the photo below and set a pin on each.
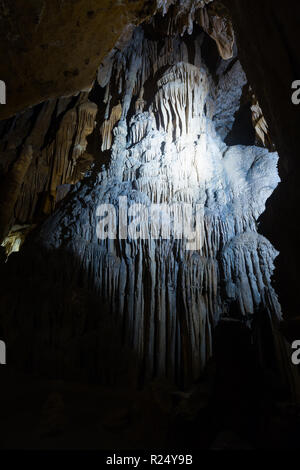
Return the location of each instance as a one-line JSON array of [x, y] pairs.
[[156, 299], [44, 64], [41, 150]]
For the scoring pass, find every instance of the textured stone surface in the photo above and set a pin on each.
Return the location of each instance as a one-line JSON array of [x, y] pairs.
[[41, 150], [152, 303], [268, 36], [53, 48], [209, 14], [51, 307], [53, 128], [260, 124]]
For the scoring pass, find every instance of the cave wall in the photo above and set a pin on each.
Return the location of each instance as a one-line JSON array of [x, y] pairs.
[[53, 48], [34, 168], [42, 150], [106, 309], [267, 38]]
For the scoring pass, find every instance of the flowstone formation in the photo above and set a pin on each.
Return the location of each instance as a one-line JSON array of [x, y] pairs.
[[42, 150], [148, 301]]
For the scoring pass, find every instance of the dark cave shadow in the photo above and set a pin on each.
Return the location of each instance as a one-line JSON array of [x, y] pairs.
[[56, 325]]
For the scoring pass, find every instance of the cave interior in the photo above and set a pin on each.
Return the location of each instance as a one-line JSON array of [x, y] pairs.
[[176, 330]]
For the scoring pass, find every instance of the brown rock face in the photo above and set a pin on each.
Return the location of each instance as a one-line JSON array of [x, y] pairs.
[[42, 150], [215, 22], [52, 48], [260, 124], [13, 184], [163, 122]]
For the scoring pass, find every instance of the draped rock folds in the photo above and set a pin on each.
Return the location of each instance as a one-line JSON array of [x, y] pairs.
[[155, 297], [54, 135]]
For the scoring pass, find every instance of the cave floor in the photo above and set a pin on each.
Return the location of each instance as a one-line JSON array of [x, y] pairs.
[[47, 414], [43, 414]]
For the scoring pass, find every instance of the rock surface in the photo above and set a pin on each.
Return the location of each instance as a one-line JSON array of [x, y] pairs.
[[42, 149], [267, 35], [53, 48], [151, 303]]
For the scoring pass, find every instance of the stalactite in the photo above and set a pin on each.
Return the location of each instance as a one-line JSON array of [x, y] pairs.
[[260, 124], [12, 188], [57, 160], [162, 295], [208, 14], [108, 125]]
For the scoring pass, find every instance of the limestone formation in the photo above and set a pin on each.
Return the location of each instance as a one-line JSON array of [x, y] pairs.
[[260, 124], [209, 14], [54, 154], [150, 305], [55, 47], [52, 48], [270, 59]]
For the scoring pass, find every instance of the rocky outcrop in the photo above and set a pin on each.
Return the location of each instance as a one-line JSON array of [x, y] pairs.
[[176, 125], [13, 184], [208, 14], [42, 63], [42, 149], [148, 300], [52, 167], [271, 61], [55, 47], [260, 124]]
